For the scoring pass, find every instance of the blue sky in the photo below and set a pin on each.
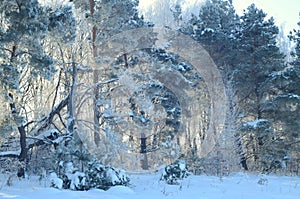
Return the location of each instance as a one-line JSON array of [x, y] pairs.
[[284, 11]]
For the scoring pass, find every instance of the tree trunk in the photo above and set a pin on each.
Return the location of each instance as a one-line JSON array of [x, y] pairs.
[[144, 160], [71, 119], [243, 159], [96, 108], [21, 128], [95, 81], [23, 154]]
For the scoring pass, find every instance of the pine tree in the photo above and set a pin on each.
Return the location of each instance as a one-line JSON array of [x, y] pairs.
[[295, 37], [24, 57], [24, 28], [259, 57], [107, 19], [283, 108], [215, 28]]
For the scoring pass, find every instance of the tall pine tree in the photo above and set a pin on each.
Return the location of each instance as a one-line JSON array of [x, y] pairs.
[[215, 28], [283, 107], [259, 57]]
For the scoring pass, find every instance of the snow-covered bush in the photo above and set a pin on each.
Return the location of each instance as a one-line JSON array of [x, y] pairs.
[[263, 181], [73, 179], [95, 175], [104, 177], [175, 172], [70, 179], [55, 181]]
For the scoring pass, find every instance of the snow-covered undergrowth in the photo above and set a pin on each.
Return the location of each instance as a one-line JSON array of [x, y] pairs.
[[96, 176], [146, 186], [174, 173]]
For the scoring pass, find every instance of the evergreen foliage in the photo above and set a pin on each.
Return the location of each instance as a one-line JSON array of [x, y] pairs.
[[96, 175], [175, 172], [24, 28], [104, 177], [260, 57], [216, 29]]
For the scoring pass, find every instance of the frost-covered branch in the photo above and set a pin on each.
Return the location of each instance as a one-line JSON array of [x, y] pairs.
[[49, 137], [47, 120], [10, 154]]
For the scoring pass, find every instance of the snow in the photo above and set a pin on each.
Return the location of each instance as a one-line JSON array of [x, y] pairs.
[[51, 133], [75, 180], [255, 123], [7, 153], [112, 176], [291, 96], [148, 186], [294, 96], [182, 165], [206, 30], [55, 181]]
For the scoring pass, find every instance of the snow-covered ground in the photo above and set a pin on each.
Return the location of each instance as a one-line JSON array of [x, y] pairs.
[[147, 186]]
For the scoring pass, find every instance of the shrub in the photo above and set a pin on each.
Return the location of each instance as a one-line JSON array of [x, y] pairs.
[[95, 176], [104, 177], [175, 172], [73, 179]]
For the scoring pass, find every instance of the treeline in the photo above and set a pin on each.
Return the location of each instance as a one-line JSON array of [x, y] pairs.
[[261, 83], [54, 87]]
